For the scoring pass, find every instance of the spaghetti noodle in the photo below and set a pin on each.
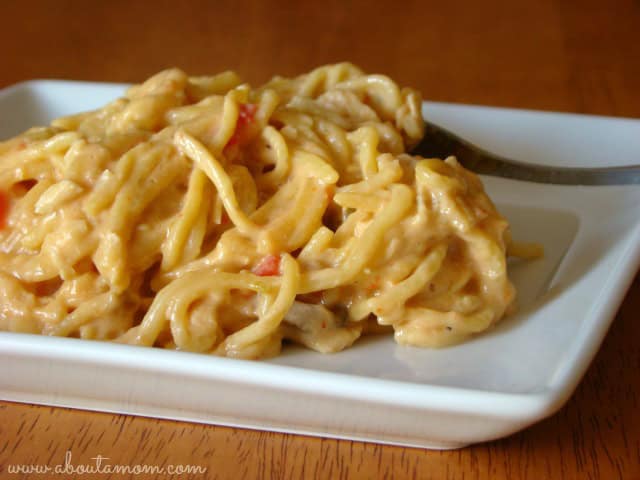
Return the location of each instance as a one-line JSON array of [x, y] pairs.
[[200, 214]]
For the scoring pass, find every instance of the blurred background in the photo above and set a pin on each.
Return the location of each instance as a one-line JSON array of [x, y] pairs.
[[579, 56]]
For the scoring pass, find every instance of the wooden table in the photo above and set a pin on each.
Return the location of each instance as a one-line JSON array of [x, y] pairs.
[[539, 54]]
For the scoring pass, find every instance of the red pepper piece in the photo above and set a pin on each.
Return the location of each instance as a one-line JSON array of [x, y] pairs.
[[268, 266], [246, 117], [4, 209]]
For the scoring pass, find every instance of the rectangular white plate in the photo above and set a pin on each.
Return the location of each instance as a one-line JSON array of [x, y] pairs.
[[489, 387]]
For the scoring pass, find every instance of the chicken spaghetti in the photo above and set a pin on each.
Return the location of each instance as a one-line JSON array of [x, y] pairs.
[[201, 214]]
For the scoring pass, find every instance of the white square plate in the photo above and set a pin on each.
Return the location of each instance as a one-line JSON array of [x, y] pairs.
[[489, 387]]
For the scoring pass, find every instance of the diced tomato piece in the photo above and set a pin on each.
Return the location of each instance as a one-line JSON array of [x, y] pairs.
[[268, 266], [246, 116], [247, 112], [4, 209]]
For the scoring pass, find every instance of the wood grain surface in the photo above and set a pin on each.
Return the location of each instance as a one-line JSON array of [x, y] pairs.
[[541, 54]]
